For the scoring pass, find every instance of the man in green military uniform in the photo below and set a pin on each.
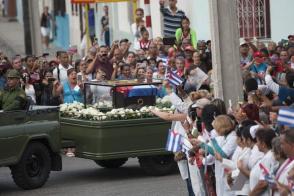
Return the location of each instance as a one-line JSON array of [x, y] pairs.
[[12, 97]]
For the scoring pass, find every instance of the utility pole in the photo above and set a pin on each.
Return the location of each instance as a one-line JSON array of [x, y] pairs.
[[32, 32], [225, 50]]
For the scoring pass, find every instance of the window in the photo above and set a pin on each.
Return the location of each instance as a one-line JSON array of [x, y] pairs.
[[254, 18]]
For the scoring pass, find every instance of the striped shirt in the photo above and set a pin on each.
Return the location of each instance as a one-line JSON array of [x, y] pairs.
[[171, 22]]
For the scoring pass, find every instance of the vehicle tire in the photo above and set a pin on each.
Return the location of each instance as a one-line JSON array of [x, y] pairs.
[[33, 169], [111, 163], [158, 165]]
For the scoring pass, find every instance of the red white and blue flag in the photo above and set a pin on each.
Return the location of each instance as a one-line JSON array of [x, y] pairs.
[[174, 79], [267, 175], [174, 142], [286, 117]]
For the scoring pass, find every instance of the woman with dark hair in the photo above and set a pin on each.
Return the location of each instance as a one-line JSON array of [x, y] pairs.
[[248, 128], [144, 41], [47, 97], [71, 90], [242, 153], [186, 33], [125, 73], [220, 104], [258, 184], [159, 75]]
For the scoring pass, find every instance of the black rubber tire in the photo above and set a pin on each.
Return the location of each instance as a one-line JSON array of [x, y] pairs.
[[158, 165], [33, 169], [111, 163]]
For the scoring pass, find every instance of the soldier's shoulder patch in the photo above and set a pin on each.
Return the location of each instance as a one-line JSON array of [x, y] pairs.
[[22, 95]]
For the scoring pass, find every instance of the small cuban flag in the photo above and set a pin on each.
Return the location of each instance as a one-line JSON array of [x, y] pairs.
[[174, 142], [186, 145], [174, 79], [286, 117]]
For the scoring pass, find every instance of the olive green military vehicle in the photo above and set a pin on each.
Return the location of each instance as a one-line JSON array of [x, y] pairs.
[[111, 142], [30, 144]]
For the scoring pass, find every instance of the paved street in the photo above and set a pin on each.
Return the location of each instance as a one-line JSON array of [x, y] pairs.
[[84, 177]]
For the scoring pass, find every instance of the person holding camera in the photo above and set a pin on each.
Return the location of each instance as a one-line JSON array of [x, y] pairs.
[[47, 90], [103, 61]]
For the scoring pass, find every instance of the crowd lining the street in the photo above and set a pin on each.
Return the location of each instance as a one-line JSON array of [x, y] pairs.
[[237, 150]]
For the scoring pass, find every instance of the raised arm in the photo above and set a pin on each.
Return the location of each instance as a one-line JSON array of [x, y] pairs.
[[91, 67]]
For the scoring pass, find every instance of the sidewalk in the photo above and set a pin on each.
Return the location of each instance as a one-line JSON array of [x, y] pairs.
[[12, 39]]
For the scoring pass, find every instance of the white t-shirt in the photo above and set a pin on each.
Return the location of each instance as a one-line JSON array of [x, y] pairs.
[[62, 73]]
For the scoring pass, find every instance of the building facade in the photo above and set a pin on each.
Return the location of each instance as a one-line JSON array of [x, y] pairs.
[[260, 19]]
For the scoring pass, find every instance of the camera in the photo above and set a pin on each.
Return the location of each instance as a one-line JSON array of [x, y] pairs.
[[51, 80]]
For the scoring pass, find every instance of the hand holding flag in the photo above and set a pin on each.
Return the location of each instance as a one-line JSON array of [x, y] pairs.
[[174, 78]]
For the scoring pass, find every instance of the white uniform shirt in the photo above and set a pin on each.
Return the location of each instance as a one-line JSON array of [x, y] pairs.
[[228, 145], [239, 154], [62, 73], [255, 157], [256, 173]]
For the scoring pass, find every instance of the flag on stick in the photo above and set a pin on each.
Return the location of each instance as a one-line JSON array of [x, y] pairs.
[[286, 117], [174, 141]]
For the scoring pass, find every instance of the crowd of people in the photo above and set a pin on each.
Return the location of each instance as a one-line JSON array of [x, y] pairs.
[[237, 150]]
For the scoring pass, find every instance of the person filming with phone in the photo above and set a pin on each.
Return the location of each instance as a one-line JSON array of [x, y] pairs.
[[47, 97]]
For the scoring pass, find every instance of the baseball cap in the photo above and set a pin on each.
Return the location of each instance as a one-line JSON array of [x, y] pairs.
[[243, 42], [257, 55], [12, 73], [200, 103]]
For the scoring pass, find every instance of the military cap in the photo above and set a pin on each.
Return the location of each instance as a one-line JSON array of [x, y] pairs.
[[12, 73]]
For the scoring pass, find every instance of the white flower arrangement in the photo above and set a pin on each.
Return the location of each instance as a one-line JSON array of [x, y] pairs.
[[103, 104], [163, 102], [77, 110]]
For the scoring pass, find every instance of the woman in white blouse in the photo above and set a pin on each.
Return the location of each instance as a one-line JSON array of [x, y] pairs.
[[225, 145], [246, 165], [267, 165], [242, 152], [29, 88]]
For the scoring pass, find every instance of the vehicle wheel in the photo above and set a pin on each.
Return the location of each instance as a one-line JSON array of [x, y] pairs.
[[158, 165], [111, 163], [33, 169]]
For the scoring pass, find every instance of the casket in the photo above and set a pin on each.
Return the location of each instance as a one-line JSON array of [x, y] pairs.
[[130, 93]]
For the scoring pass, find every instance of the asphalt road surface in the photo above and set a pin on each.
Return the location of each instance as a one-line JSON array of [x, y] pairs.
[[84, 177]]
